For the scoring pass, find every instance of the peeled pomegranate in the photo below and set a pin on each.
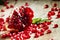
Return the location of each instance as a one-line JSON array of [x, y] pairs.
[[19, 19]]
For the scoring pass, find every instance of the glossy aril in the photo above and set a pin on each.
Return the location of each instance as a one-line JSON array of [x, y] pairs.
[[56, 9], [41, 33], [1, 20], [12, 38], [46, 27], [26, 4], [3, 36], [48, 23], [36, 35], [55, 5], [42, 30], [49, 31], [25, 36], [2, 10], [58, 15], [52, 9], [51, 13], [9, 34], [7, 7], [55, 25], [7, 19], [11, 6], [46, 6]]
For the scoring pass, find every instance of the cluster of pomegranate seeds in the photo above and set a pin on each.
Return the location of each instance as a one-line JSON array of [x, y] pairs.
[[21, 18], [15, 21], [50, 13], [21, 23], [2, 26], [58, 15], [54, 9]]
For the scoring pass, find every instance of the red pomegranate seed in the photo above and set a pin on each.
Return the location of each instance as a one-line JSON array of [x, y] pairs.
[[48, 23], [7, 19], [51, 13], [12, 38], [3, 36], [49, 18], [25, 36], [2, 10], [26, 4], [41, 33], [46, 6], [45, 28], [7, 7], [9, 35], [36, 35], [22, 6], [56, 9], [14, 34], [55, 5], [58, 15], [52, 9], [42, 30], [48, 31], [18, 38], [0, 27], [34, 30], [1, 21], [3, 28], [11, 6], [55, 25]]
